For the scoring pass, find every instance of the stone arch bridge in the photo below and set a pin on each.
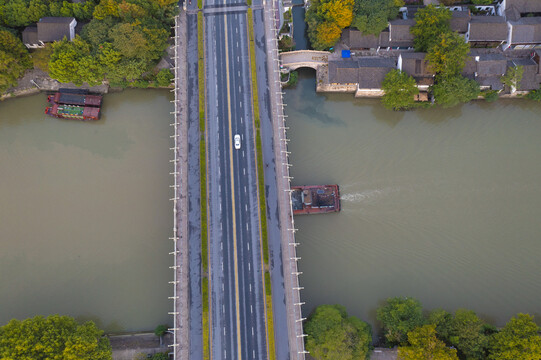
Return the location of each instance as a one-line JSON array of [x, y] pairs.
[[293, 60]]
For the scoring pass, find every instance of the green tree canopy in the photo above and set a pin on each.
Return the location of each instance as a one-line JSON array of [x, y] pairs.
[[513, 77], [400, 88], [14, 60], [326, 19], [447, 56], [372, 16], [399, 316], [333, 335], [518, 339], [96, 32], [442, 320], [455, 90], [467, 334], [54, 337], [426, 346], [73, 61], [18, 13], [430, 23]]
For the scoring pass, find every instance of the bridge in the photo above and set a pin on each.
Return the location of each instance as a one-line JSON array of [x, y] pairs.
[[237, 326], [293, 60]]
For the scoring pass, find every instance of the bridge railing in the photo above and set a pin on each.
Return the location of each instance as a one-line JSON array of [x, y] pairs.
[[283, 176]]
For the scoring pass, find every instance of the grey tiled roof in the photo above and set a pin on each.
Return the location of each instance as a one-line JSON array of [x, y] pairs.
[[512, 13], [357, 40], [414, 64], [354, 39], [487, 28], [524, 6], [30, 35], [459, 21], [56, 20], [527, 30], [493, 81], [343, 71], [368, 72], [399, 30], [54, 28], [491, 64], [372, 71]]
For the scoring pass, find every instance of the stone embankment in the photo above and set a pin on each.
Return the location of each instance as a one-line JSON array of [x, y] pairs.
[[35, 81], [131, 346]]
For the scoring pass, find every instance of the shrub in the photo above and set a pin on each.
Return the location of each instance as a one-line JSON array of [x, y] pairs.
[[491, 95], [535, 95], [164, 77]]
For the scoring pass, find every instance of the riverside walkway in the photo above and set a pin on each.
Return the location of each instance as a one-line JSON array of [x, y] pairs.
[[286, 301]]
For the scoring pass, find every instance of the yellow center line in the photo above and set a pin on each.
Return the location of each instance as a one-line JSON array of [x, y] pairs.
[[235, 259]]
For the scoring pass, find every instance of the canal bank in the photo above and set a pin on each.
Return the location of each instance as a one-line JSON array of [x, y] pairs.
[[437, 204]]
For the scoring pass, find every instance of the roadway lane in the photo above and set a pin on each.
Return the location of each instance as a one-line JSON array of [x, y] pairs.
[[236, 279]]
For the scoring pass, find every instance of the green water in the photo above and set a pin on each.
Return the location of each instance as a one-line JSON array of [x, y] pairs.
[[442, 204], [85, 216]]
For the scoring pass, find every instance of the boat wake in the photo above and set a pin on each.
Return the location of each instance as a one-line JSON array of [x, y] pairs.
[[366, 195]]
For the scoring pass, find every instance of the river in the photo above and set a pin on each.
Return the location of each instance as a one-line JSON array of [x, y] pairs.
[[85, 219], [440, 204]]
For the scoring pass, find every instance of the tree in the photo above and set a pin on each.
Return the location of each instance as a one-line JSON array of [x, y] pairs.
[[372, 16], [337, 11], [425, 345], [96, 32], [399, 316], [327, 34], [467, 334], [443, 321], [13, 45], [73, 61], [14, 60], [286, 43], [455, 90], [106, 8], [164, 77], [400, 89], [430, 23], [447, 56], [334, 335], [519, 339], [326, 19], [513, 77], [53, 337]]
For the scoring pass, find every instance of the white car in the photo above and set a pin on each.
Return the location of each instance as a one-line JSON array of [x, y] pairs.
[[236, 138]]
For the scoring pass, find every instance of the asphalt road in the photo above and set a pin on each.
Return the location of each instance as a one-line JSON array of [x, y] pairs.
[[238, 326]]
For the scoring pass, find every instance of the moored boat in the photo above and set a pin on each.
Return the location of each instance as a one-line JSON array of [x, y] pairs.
[[73, 112], [75, 99]]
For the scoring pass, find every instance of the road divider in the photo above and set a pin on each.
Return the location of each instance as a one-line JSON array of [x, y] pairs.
[[203, 178]]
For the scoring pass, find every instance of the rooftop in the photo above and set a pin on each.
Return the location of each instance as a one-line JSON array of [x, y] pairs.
[[526, 30], [487, 28]]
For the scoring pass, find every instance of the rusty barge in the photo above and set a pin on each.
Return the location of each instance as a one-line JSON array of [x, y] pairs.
[[74, 104], [315, 199]]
